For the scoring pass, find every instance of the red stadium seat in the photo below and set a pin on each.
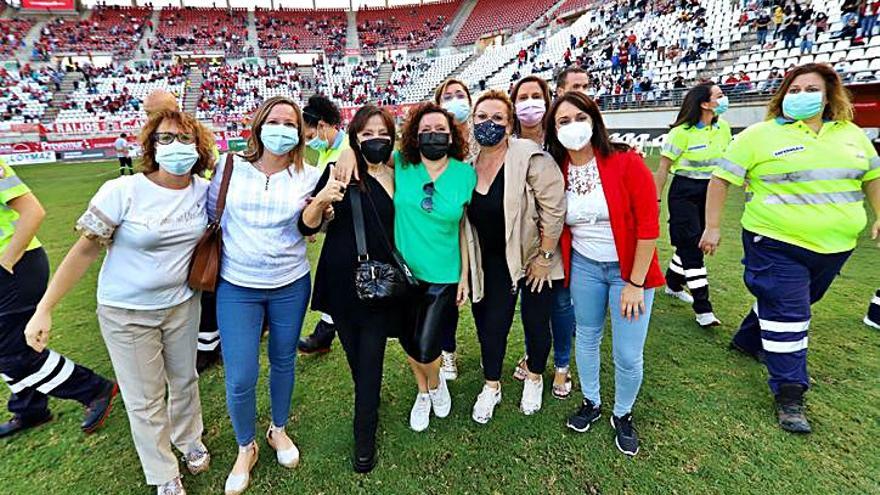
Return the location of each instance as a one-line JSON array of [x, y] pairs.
[[410, 27], [491, 16]]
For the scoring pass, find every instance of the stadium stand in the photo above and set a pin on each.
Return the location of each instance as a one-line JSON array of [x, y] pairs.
[[25, 95], [12, 34], [427, 74], [200, 30], [233, 91], [118, 93], [115, 30], [349, 85], [295, 29], [491, 16], [410, 27], [570, 6]]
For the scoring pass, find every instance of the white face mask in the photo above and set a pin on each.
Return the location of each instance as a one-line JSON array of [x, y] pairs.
[[575, 136]]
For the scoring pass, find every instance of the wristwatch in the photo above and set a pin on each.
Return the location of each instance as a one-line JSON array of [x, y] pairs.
[[546, 254]]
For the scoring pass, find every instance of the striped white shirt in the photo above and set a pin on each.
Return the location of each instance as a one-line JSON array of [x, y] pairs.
[[262, 246]]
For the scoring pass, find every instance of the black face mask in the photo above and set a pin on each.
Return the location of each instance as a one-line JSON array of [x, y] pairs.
[[376, 150], [434, 145]]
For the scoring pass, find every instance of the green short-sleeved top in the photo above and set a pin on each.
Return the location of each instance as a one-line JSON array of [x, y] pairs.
[[803, 188], [11, 187], [429, 241]]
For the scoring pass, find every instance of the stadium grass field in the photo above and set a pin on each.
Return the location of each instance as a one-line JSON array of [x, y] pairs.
[[705, 415]]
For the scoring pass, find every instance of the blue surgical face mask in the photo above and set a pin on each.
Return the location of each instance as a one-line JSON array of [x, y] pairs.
[[723, 105], [177, 158], [459, 108], [318, 144], [803, 105], [279, 139]]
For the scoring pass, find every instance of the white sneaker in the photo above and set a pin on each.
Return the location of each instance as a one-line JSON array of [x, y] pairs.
[[173, 487], [198, 460], [707, 320], [681, 295], [448, 366], [441, 401], [484, 408], [532, 396], [871, 324], [420, 415]]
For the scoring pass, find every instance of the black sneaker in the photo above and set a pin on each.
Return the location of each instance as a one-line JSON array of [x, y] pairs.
[[757, 356], [790, 408], [319, 341], [17, 424], [625, 435], [586, 416], [98, 410]]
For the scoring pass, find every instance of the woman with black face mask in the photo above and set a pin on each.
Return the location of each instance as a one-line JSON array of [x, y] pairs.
[[515, 219], [432, 187], [363, 329]]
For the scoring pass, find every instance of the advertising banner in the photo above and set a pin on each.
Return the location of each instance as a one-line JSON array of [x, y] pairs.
[[29, 158], [97, 127], [12, 148], [85, 155], [47, 4]]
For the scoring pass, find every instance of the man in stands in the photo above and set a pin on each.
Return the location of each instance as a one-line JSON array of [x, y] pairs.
[[572, 79], [122, 151]]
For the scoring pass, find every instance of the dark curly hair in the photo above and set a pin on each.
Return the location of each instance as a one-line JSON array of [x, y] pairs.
[[409, 139], [321, 108], [205, 142]]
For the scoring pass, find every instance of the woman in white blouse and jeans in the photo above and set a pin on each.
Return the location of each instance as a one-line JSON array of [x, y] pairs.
[[149, 317], [264, 274]]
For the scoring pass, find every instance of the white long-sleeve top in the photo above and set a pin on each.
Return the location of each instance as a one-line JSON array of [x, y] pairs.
[[262, 246]]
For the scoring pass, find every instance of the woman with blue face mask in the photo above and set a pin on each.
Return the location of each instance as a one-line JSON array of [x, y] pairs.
[[807, 170], [264, 276], [453, 95], [149, 317], [698, 138]]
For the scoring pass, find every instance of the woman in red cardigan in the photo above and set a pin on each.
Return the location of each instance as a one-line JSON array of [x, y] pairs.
[[609, 254]]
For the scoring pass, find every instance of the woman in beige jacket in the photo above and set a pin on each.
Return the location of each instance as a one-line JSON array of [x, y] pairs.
[[515, 219]]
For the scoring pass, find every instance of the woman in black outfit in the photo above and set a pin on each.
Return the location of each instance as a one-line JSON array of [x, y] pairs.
[[363, 329]]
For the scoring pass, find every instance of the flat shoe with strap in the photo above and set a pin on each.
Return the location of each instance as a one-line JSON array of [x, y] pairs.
[[236, 484], [288, 458]]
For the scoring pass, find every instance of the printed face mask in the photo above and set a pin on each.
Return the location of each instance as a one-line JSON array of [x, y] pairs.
[[488, 133]]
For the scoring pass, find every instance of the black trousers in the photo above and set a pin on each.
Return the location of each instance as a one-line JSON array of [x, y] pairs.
[[364, 338], [209, 331], [874, 308], [431, 310], [493, 316], [125, 164], [30, 375], [687, 220]]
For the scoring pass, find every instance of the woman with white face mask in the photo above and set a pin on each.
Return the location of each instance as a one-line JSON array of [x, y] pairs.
[[609, 254], [807, 170], [264, 276], [149, 317]]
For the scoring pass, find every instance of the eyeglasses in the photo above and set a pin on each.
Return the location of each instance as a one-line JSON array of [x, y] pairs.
[[169, 137], [428, 203]]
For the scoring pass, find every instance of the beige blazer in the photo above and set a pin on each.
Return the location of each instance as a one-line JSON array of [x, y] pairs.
[[534, 203]]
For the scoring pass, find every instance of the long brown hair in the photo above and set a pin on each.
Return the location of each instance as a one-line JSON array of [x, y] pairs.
[[255, 147], [838, 105], [205, 142], [358, 122], [691, 110], [545, 92], [600, 141], [409, 136]]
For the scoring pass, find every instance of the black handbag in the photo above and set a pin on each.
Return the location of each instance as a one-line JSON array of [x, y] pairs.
[[377, 282]]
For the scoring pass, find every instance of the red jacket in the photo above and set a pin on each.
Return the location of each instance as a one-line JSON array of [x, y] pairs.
[[633, 210]]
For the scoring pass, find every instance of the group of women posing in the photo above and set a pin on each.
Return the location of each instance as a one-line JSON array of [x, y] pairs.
[[502, 199]]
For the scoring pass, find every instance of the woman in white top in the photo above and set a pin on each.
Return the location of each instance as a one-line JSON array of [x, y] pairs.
[[149, 317], [264, 275]]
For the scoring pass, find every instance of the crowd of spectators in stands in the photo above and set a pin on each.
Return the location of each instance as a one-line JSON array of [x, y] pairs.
[[390, 33], [294, 30], [200, 30], [116, 30], [18, 89]]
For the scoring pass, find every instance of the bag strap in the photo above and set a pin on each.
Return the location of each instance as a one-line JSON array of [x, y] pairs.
[[224, 187], [398, 258], [357, 215]]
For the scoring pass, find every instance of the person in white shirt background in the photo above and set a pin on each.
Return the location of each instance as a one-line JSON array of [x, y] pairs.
[[148, 315], [123, 150], [264, 274]]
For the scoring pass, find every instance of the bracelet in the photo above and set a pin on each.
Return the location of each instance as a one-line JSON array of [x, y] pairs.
[[642, 286]]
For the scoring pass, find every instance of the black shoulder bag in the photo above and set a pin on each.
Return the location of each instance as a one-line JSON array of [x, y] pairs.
[[377, 282]]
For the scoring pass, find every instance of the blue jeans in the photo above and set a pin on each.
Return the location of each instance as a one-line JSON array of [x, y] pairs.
[[868, 23], [240, 315], [762, 37], [595, 289], [561, 323]]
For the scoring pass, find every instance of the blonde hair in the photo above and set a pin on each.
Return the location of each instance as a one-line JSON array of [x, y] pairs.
[[838, 106], [494, 94], [255, 146], [438, 94]]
